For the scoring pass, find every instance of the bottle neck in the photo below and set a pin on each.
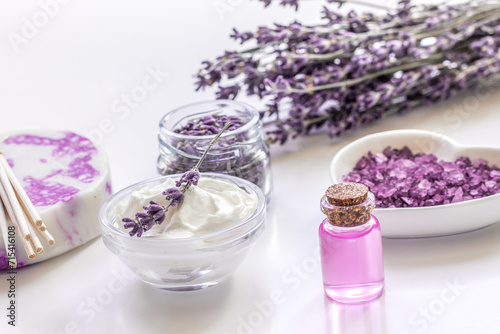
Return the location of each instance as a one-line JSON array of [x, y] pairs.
[[351, 231]]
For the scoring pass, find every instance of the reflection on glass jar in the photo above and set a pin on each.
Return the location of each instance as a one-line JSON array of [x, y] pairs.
[[241, 152]]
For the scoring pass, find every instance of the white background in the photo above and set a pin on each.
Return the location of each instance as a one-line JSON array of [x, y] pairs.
[[77, 65]]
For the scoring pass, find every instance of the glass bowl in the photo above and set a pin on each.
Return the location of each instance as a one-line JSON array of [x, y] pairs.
[[184, 264]]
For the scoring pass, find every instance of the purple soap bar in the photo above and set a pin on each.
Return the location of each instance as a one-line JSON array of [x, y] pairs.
[[66, 177]]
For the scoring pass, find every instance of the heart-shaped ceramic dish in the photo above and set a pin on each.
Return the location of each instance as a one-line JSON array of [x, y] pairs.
[[425, 221]]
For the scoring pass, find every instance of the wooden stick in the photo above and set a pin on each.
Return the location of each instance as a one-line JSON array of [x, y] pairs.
[[24, 200], [46, 235], [35, 220], [42, 228], [28, 248], [35, 241], [10, 210], [22, 211], [4, 229], [8, 205], [15, 211]]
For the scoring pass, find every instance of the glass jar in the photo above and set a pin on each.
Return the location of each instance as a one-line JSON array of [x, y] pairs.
[[242, 152], [351, 248]]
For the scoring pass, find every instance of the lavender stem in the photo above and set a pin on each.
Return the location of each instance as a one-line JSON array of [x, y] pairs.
[[212, 142]]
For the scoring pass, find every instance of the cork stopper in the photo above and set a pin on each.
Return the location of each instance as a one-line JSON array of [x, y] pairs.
[[348, 204], [347, 194]]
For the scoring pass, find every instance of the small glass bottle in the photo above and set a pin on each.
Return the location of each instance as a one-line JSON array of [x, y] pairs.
[[351, 244], [242, 152]]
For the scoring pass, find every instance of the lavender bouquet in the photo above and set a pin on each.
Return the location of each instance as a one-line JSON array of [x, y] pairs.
[[356, 68]]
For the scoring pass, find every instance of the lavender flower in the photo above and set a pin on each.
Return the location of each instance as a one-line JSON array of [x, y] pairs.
[[189, 178], [371, 65], [242, 37], [156, 212], [291, 3], [142, 223], [146, 220], [174, 195]]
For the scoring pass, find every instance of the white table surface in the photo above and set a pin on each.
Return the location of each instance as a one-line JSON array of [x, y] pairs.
[[73, 69]]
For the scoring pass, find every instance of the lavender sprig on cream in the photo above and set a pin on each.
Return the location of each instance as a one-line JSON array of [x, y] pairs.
[[155, 212]]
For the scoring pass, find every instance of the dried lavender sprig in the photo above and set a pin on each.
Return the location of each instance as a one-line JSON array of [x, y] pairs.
[[155, 212]]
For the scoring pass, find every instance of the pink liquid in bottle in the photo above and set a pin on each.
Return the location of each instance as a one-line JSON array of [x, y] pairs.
[[351, 256]]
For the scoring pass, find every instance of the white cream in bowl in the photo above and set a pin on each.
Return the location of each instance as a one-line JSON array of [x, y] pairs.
[[212, 205]]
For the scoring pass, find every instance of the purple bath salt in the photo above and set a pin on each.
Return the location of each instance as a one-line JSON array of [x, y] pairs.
[[400, 179]]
